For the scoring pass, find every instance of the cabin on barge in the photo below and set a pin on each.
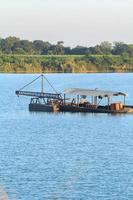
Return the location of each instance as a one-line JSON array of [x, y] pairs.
[[76, 100]]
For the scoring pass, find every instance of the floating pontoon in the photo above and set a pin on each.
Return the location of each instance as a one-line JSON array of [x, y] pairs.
[[76, 100]]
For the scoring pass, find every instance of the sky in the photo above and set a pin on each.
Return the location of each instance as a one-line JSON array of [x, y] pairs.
[[76, 22]]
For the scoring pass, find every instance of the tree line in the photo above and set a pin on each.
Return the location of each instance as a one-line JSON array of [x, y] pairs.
[[65, 63], [14, 45], [23, 56]]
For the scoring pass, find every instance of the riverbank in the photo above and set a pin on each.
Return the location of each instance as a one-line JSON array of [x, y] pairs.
[[65, 64]]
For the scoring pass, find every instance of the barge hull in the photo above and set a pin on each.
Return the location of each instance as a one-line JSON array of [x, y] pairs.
[[69, 108], [40, 107], [91, 110]]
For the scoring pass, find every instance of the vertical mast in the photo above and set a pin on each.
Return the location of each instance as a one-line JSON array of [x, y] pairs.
[[42, 89]]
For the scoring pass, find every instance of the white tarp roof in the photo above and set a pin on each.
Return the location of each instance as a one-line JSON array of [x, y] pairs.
[[88, 92]]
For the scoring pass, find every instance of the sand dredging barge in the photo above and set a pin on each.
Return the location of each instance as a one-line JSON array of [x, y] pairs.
[[75, 100]]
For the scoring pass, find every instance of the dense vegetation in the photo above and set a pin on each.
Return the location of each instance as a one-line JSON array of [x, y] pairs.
[[25, 56]]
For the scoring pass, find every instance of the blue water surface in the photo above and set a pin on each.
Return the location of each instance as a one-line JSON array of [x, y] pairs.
[[65, 156]]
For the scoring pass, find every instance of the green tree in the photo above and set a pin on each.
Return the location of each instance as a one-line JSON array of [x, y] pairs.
[[106, 47], [119, 48]]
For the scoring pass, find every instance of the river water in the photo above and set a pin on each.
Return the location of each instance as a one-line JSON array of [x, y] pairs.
[[65, 156]]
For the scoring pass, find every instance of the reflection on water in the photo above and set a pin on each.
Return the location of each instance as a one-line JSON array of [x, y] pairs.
[[3, 194]]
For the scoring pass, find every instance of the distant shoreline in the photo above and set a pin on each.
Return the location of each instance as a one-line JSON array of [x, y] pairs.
[[102, 72], [14, 63]]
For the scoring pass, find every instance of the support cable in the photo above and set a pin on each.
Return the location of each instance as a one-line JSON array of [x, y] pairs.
[[29, 83], [42, 83], [50, 84]]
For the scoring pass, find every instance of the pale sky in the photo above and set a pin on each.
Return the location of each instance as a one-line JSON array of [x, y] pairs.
[[76, 22]]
